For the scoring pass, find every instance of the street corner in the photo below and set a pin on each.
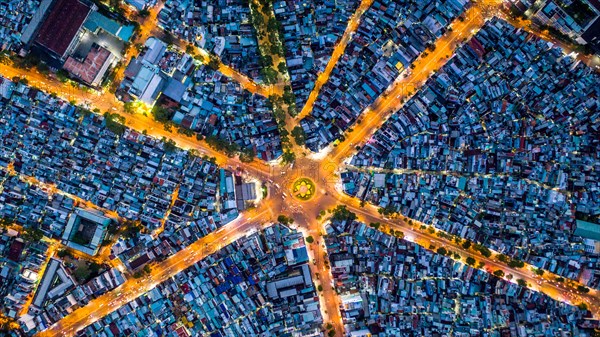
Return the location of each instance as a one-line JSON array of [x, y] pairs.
[[329, 171]]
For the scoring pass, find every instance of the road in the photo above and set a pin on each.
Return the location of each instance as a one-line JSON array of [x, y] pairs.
[[408, 83], [546, 283], [137, 121], [323, 171], [149, 27], [51, 189], [591, 61], [146, 27], [458, 174], [160, 272], [265, 46], [243, 80], [103, 257], [338, 51]]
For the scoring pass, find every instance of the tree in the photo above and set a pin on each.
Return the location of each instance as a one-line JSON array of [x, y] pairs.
[[168, 38], [95, 267], [189, 49], [247, 155], [284, 219], [4, 57], [131, 229], [310, 239], [583, 289], [560, 279], [62, 75], [466, 244], [288, 97], [388, 210], [516, 263], [185, 131], [470, 261], [266, 60], [281, 67], [341, 213], [272, 25], [147, 269], [8, 324], [522, 282], [539, 272], [442, 251], [499, 273], [320, 287], [299, 135], [114, 123], [221, 144], [63, 253], [169, 146], [288, 157], [502, 258], [483, 250], [128, 107], [32, 235], [161, 114], [375, 225], [269, 75], [213, 62]]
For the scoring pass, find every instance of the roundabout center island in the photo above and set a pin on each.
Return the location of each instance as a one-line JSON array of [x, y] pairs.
[[303, 189]]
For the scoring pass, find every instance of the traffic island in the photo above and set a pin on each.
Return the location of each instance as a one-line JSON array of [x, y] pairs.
[[303, 189]]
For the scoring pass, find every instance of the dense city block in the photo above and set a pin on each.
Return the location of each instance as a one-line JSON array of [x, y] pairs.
[[348, 168], [500, 147]]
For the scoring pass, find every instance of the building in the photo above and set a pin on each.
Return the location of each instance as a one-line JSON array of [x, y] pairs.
[[140, 4], [144, 80], [60, 31], [35, 22], [98, 23], [54, 283], [572, 18], [588, 230], [92, 68], [295, 249], [85, 231], [73, 35]]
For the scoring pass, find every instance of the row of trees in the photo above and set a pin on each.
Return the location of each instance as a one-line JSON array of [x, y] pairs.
[[261, 18], [275, 103], [486, 252]]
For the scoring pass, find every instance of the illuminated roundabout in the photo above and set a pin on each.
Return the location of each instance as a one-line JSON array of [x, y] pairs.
[[303, 189]]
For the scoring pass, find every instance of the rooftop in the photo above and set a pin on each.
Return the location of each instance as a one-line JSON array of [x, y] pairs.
[[62, 24], [588, 230], [92, 68]]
